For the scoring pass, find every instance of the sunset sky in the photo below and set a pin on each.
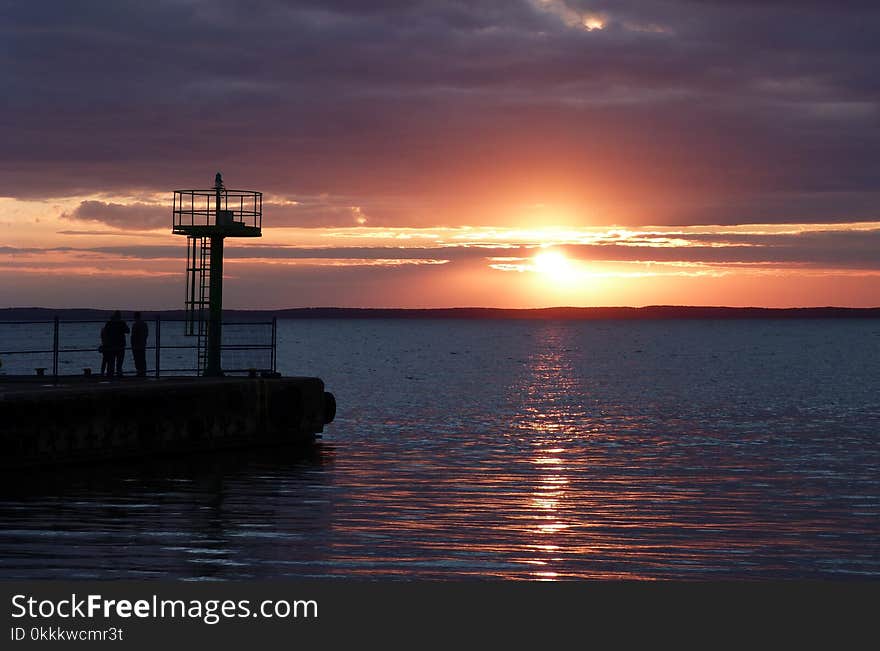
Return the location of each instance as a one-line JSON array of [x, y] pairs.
[[515, 153]]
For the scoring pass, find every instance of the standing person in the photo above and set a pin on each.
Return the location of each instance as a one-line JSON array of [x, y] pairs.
[[139, 334], [116, 331], [107, 358]]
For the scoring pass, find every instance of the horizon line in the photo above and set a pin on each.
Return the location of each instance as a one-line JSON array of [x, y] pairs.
[[560, 310]]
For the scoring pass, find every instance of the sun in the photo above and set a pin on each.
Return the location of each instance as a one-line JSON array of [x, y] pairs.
[[555, 266], [591, 23]]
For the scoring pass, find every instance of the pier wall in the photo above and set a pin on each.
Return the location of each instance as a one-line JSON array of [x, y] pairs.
[[43, 424]]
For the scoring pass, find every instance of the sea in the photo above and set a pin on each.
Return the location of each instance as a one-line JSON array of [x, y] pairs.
[[507, 449]]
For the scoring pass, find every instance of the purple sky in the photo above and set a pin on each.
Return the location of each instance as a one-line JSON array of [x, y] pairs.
[[420, 118]]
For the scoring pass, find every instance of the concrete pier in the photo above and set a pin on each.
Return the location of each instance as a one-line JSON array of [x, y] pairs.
[[88, 419]]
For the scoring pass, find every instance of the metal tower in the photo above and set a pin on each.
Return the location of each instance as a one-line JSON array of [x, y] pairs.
[[207, 217]]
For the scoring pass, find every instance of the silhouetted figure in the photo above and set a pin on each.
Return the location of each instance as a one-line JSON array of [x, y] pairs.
[[139, 334], [116, 330], [107, 358]]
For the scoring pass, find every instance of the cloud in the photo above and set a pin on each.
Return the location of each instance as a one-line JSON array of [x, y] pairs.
[[443, 112], [301, 212], [133, 216], [844, 248], [331, 211]]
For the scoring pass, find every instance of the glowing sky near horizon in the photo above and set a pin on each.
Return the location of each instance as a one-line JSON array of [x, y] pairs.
[[432, 154]]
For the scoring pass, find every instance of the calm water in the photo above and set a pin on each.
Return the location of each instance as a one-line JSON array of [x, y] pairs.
[[518, 450]]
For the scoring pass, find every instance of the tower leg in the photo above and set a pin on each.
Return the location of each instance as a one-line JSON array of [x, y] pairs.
[[215, 311]]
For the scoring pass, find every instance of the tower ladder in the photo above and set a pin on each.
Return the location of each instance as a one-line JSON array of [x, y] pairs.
[[198, 295]]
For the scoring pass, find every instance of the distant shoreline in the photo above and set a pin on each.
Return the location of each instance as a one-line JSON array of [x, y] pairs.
[[654, 312]]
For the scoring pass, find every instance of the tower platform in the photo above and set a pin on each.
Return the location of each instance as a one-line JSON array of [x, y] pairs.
[[236, 229]]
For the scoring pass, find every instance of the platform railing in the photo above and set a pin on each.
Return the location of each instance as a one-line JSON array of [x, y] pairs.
[[199, 207], [72, 348]]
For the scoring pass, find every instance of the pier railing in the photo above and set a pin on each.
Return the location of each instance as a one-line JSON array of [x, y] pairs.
[[59, 348]]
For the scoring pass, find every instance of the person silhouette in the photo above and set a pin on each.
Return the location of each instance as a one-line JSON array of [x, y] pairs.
[[139, 334], [116, 330], [107, 358]]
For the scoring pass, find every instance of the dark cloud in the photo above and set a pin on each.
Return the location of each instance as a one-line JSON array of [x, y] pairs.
[[424, 112], [307, 212], [135, 216]]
